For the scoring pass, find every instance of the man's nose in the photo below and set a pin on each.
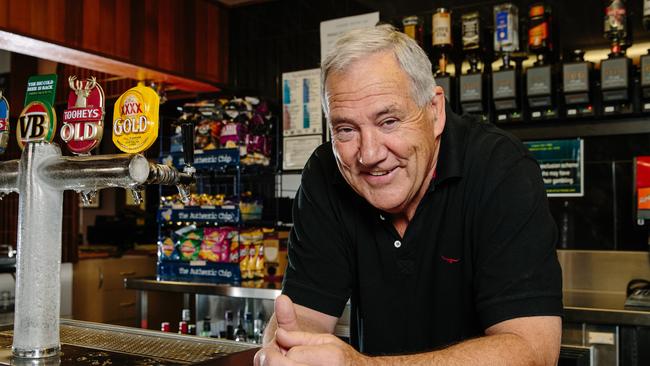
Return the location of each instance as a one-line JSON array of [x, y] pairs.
[[371, 148]]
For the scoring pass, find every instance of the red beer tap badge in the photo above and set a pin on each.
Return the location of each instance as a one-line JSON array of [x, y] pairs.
[[83, 121]]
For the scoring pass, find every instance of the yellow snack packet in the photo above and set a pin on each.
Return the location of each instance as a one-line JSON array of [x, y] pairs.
[[135, 119]]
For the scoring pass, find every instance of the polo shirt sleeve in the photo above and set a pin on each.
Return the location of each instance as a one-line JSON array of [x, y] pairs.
[[517, 272], [318, 274]]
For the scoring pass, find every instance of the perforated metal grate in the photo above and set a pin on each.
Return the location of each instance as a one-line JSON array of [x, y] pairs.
[[172, 348]]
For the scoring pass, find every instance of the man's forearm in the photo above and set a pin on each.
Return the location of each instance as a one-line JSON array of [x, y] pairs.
[[500, 349]]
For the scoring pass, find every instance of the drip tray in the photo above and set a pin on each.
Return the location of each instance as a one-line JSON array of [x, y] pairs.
[[84, 343]]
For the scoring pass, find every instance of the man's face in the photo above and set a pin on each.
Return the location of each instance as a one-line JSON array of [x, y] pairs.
[[385, 145]]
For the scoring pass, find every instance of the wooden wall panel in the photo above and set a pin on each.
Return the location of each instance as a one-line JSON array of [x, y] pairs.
[[107, 27], [19, 15], [55, 10], [4, 15], [122, 29], [201, 37], [38, 18], [167, 30], [211, 61], [90, 23], [150, 22], [157, 34]]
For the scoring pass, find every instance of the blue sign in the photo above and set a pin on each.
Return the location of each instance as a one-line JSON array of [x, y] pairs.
[[218, 214], [208, 159], [199, 271]]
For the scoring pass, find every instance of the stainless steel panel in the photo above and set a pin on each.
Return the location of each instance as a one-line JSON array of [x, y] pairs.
[[603, 271]]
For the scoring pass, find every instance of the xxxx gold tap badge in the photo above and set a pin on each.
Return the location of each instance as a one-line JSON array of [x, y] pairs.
[[135, 123], [83, 121], [4, 123], [37, 121]]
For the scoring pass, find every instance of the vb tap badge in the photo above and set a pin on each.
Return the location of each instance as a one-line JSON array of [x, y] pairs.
[[37, 121], [135, 120], [4, 123], [83, 121]]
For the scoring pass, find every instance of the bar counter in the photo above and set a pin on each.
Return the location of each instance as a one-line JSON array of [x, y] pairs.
[[85, 343], [579, 306], [602, 308]]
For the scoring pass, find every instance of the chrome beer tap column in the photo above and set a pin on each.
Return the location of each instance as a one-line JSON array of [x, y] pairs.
[[40, 177], [44, 175]]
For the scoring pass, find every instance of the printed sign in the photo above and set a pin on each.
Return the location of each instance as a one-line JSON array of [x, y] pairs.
[[135, 121], [83, 121], [562, 164], [301, 103], [37, 121], [331, 30], [41, 88], [4, 123]]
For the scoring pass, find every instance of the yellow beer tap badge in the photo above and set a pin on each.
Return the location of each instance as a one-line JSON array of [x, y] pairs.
[[135, 120]]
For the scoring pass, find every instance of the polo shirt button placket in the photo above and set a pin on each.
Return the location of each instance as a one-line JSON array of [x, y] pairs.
[[397, 244]]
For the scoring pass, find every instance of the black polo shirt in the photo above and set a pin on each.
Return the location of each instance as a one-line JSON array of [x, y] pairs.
[[479, 250]]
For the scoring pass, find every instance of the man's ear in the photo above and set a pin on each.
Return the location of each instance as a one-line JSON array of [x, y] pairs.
[[438, 104]]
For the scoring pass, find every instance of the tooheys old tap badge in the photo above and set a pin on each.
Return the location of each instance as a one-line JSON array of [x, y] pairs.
[[83, 121], [135, 120], [37, 121], [4, 123]]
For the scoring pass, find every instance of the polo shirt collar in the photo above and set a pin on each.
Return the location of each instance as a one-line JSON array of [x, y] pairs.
[[452, 149]]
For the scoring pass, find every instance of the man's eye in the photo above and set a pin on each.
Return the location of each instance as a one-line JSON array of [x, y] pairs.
[[344, 133], [344, 130], [389, 123]]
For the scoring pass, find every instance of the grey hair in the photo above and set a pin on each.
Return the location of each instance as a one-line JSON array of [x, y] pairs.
[[356, 44]]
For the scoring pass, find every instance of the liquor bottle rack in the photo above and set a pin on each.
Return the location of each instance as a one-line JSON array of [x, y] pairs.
[[601, 119]]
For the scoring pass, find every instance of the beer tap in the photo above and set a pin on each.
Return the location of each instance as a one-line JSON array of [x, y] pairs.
[[83, 121], [42, 174], [187, 121]]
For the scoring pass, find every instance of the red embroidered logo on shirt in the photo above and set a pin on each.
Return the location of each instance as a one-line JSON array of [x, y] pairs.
[[450, 260]]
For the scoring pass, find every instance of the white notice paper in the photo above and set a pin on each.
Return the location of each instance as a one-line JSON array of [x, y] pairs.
[[330, 30], [298, 149]]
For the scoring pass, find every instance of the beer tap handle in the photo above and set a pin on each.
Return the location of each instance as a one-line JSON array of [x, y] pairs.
[[166, 175], [188, 122], [187, 128]]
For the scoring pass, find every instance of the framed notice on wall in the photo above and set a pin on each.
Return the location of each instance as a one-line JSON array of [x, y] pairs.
[[562, 164], [296, 150], [301, 109]]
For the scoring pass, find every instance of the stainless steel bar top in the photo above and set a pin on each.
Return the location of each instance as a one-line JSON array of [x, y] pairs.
[[248, 289], [602, 308]]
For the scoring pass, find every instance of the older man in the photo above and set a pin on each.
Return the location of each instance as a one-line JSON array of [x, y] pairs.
[[435, 226]]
